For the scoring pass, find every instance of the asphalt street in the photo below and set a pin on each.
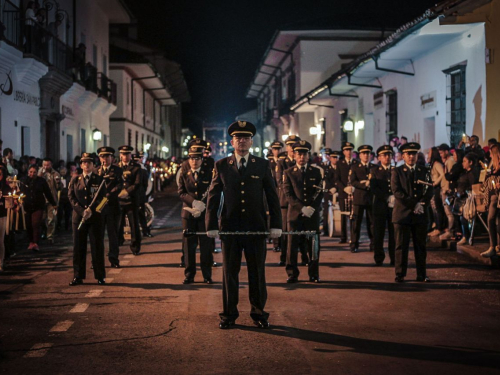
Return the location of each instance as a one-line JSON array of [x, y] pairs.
[[145, 321]]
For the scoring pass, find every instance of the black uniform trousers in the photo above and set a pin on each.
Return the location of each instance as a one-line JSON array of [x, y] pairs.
[[191, 243], [296, 242], [284, 237], [92, 228], [255, 256], [327, 197], [418, 232], [356, 226], [111, 222], [343, 221], [131, 211], [380, 224]]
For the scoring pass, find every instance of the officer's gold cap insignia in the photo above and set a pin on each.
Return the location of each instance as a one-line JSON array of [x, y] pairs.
[[302, 143], [242, 124], [198, 141]]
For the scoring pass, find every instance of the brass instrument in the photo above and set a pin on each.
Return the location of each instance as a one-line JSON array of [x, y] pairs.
[[101, 205], [349, 207]]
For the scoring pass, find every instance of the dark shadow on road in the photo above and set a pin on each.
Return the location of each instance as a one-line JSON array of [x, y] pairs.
[[197, 285], [465, 356]]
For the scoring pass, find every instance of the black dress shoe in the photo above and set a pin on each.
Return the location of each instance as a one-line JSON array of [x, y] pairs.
[[188, 280], [101, 281], [136, 252], [392, 263], [208, 281], [399, 279], [314, 279], [216, 264], [292, 280], [226, 323], [115, 265], [281, 263], [379, 264], [76, 281], [261, 323], [342, 241], [277, 249], [423, 279], [354, 250], [182, 265]]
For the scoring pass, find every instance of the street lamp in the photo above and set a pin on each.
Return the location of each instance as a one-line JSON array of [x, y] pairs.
[[96, 135], [165, 149], [348, 125], [267, 144], [147, 146]]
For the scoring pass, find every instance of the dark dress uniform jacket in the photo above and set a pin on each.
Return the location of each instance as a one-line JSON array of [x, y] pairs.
[[362, 195], [342, 176], [299, 190], [282, 166], [273, 164], [81, 196], [114, 184], [380, 185], [408, 193], [131, 182], [330, 176], [243, 208], [190, 190]]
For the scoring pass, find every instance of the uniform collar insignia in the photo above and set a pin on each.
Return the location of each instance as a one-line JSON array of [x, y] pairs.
[[230, 162]]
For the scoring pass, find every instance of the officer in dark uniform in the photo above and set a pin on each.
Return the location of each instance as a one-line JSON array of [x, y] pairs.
[[273, 157], [408, 216], [111, 213], [383, 203], [245, 180], [129, 196], [81, 192], [342, 181], [193, 187], [283, 165], [141, 191], [303, 209], [362, 197], [330, 169]]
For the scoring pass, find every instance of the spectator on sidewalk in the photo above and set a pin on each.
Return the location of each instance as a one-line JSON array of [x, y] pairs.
[[437, 175], [65, 209], [53, 179], [464, 187], [8, 160], [37, 192], [449, 162], [5, 189], [494, 210]]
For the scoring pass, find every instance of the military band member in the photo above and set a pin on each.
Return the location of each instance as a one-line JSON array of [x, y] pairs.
[[81, 192], [408, 216], [362, 197], [273, 157], [245, 180], [383, 203], [303, 210], [111, 213], [283, 165], [342, 181], [329, 181], [129, 196], [139, 159], [192, 191]]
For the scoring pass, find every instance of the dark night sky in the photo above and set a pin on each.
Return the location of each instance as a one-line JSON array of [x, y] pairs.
[[219, 44]]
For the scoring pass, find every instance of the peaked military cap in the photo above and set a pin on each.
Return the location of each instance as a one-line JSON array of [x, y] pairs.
[[86, 156], [125, 149], [385, 149], [195, 151], [136, 157], [335, 154], [292, 139], [103, 151], [241, 129], [347, 146], [410, 147], [208, 149], [365, 148], [327, 151], [282, 155], [197, 142], [302, 146], [276, 144]]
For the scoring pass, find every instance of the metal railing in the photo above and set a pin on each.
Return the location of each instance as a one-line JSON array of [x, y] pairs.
[[107, 88], [10, 30]]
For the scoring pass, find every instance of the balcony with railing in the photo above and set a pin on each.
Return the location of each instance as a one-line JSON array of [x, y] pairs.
[[10, 30], [106, 88]]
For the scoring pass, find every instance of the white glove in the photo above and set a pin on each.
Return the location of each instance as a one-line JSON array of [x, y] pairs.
[[390, 201], [87, 214], [308, 211], [213, 233], [419, 209], [199, 205], [333, 191], [366, 182], [275, 233], [349, 189], [196, 213]]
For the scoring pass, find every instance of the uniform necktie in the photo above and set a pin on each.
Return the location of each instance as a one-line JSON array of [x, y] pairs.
[[87, 180], [303, 170], [195, 174], [242, 166]]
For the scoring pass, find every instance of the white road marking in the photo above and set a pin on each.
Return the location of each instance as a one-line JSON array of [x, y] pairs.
[[110, 280], [38, 350], [115, 271], [79, 308], [171, 212], [94, 293], [62, 326], [128, 256], [125, 262]]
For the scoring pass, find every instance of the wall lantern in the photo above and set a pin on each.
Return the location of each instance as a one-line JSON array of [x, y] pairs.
[[164, 149], [96, 135], [147, 146], [348, 125]]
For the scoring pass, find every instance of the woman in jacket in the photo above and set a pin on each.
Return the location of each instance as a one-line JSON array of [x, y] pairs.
[[37, 192], [494, 210], [437, 174]]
